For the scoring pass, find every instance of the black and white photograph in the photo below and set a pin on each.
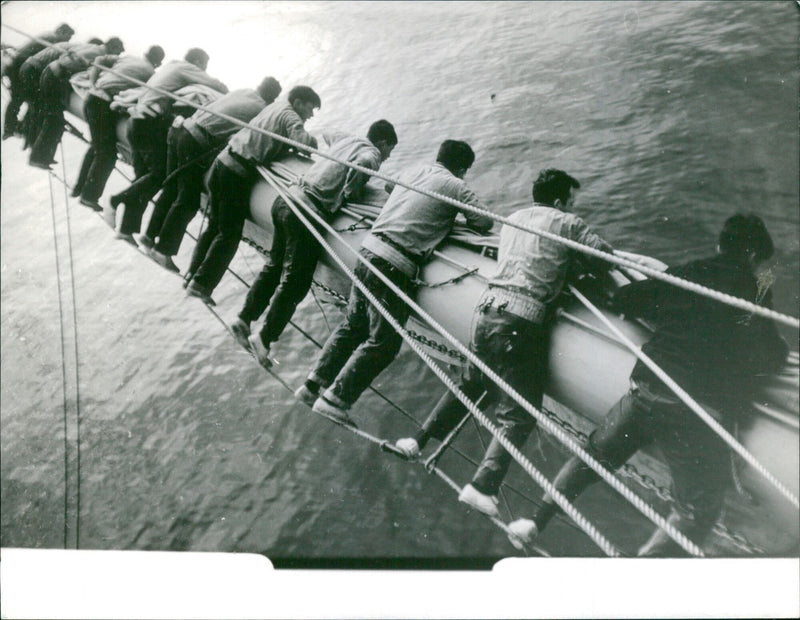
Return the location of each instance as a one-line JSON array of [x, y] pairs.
[[481, 300]]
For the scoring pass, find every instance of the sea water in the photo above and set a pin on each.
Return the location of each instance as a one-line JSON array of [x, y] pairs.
[[673, 116]]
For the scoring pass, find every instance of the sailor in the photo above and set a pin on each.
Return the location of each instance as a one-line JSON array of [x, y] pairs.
[[100, 157], [151, 119], [289, 268], [192, 144], [714, 352], [11, 122], [54, 89], [30, 74], [233, 174], [404, 235], [511, 325]]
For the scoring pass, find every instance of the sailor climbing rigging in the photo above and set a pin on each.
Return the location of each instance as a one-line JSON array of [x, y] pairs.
[[510, 329], [715, 352], [408, 229], [289, 268]]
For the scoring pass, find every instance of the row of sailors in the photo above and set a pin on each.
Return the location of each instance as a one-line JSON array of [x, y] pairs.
[[713, 350]]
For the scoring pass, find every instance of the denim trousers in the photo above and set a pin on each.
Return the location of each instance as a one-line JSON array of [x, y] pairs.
[[100, 158], [286, 276], [53, 93], [148, 139], [364, 344], [179, 201], [516, 349], [229, 204], [698, 460]]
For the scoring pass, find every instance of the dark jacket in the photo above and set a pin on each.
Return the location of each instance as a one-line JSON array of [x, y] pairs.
[[711, 349]]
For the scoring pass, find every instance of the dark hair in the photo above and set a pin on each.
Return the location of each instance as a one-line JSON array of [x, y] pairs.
[[743, 234], [304, 93], [155, 55], [382, 130], [197, 57], [455, 155], [269, 89], [552, 185], [95, 41], [64, 30], [114, 45]]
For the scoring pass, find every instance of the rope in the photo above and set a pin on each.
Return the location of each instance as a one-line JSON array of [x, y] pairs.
[[608, 257], [77, 363], [63, 364], [383, 444], [582, 522], [609, 477], [429, 467], [688, 400]]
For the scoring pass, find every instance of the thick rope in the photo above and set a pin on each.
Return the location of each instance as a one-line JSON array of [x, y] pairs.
[[77, 362], [634, 499], [383, 444], [736, 302], [63, 364], [688, 400], [562, 501]]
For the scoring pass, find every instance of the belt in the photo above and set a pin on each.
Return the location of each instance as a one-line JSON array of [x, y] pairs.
[[415, 258], [247, 164], [518, 304], [391, 252]]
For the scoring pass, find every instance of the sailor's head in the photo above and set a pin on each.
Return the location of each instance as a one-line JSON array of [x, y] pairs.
[[197, 57], [457, 156], [304, 101], [745, 238], [155, 56], [383, 136], [269, 89], [114, 46], [555, 188], [64, 32]]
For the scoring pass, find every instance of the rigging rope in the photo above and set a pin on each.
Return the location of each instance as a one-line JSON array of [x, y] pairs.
[[611, 258], [587, 458], [384, 444], [585, 525], [63, 365], [688, 400], [623, 262], [77, 363]]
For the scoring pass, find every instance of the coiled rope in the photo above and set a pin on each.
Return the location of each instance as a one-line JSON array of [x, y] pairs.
[[731, 300]]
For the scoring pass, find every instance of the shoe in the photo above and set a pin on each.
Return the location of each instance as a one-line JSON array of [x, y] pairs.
[[127, 237], [305, 395], [241, 331], [39, 164], [487, 504], [76, 191], [143, 240], [187, 279], [195, 290], [408, 446], [260, 352], [162, 259], [337, 414], [523, 532], [92, 204]]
